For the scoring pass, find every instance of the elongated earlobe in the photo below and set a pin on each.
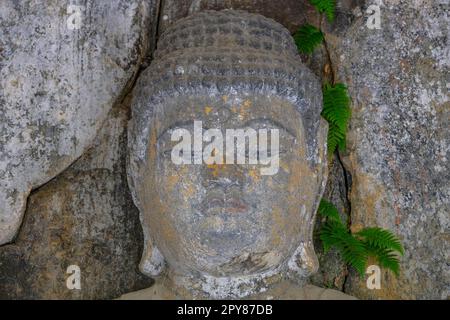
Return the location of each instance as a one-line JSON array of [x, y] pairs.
[[152, 262], [304, 262]]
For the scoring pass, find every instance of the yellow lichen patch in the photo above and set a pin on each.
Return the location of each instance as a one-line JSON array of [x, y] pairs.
[[299, 172], [208, 110], [254, 173], [183, 170], [162, 227], [172, 181], [245, 108], [215, 168], [247, 104], [189, 191], [225, 98], [15, 83], [277, 226], [370, 201], [284, 166], [152, 146]]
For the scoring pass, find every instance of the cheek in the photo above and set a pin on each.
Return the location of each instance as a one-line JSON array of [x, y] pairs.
[[177, 185]]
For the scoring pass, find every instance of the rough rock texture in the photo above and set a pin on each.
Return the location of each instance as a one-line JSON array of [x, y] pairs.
[[332, 269], [290, 13], [285, 290], [398, 139], [83, 217], [59, 78], [224, 229], [398, 144]]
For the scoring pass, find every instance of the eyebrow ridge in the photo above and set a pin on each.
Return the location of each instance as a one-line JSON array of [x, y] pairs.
[[275, 122]]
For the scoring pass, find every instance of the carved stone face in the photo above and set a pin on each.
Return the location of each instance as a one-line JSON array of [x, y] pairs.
[[227, 219], [225, 226]]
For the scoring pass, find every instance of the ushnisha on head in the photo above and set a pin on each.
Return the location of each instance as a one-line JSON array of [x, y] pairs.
[[225, 221]]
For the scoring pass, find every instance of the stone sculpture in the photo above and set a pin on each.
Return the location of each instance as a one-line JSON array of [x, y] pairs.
[[218, 229]]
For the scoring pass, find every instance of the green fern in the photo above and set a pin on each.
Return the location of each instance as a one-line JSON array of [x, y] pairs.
[[379, 238], [336, 110], [325, 6], [307, 38], [386, 258], [328, 210], [335, 234], [383, 245], [356, 249]]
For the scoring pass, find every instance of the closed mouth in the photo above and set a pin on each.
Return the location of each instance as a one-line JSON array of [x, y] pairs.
[[223, 203]]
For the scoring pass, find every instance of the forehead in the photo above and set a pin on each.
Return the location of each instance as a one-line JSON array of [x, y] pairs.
[[228, 112]]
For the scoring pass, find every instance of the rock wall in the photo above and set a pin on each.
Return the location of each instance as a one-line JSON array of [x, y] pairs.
[[61, 95], [59, 86], [398, 144], [62, 67], [83, 217]]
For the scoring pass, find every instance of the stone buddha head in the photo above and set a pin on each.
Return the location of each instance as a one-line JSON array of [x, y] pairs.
[[227, 156]]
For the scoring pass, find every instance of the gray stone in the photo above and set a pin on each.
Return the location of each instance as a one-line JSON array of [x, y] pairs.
[[85, 217], [285, 290], [332, 269], [59, 78], [292, 14], [398, 143], [230, 69]]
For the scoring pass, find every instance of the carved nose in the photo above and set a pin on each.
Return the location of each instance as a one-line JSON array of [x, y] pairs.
[[222, 175]]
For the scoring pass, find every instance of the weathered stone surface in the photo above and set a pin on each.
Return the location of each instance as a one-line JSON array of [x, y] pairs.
[[59, 79], [332, 269], [398, 144], [227, 230], [285, 290], [290, 13], [398, 80], [83, 217]]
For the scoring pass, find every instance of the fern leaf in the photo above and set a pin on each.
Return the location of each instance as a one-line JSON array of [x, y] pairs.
[[386, 257], [353, 251], [336, 110], [335, 139], [328, 210], [307, 38], [325, 6], [381, 238], [389, 260], [331, 233]]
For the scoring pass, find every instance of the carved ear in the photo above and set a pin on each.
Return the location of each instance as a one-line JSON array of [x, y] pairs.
[[304, 262], [152, 262]]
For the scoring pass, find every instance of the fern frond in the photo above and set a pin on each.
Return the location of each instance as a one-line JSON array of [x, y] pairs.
[[335, 139], [330, 234], [325, 6], [336, 110], [383, 245], [307, 38], [381, 238], [335, 234], [356, 248], [386, 258], [328, 210]]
